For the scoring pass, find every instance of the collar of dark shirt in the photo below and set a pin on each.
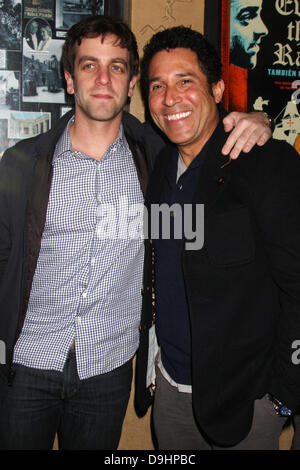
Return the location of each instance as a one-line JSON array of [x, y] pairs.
[[198, 160], [171, 174]]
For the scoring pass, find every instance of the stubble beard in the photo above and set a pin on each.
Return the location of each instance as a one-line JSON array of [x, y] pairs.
[[100, 114]]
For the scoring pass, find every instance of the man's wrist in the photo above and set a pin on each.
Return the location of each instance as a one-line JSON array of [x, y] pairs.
[[279, 407], [270, 121]]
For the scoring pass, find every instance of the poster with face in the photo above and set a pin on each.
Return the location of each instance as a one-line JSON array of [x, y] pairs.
[[261, 60], [37, 35], [246, 32]]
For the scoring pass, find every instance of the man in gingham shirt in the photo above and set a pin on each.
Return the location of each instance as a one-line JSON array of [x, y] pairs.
[[70, 263], [72, 357]]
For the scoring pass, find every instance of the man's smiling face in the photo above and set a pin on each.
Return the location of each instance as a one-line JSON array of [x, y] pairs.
[[181, 102]]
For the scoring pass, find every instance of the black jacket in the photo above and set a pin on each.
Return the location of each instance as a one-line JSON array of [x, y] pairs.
[[25, 179], [242, 287]]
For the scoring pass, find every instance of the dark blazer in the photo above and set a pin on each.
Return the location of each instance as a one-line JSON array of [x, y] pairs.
[[242, 287]]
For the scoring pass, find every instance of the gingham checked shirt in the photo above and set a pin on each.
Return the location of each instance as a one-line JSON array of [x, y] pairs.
[[85, 288]]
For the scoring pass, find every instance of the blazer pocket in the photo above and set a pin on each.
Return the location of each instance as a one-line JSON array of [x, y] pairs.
[[229, 238]]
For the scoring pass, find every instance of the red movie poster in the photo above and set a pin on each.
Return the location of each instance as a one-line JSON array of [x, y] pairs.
[[260, 49]]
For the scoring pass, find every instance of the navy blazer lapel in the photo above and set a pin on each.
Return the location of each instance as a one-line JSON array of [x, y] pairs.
[[214, 175], [215, 171]]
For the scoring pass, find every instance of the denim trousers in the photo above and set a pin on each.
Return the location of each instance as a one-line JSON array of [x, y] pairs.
[[85, 414]]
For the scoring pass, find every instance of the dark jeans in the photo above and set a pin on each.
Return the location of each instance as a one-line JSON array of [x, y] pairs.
[[85, 414]]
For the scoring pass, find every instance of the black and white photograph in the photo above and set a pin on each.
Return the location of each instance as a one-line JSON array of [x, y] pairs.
[[69, 12], [22, 124], [10, 25], [9, 91], [42, 77], [37, 35]]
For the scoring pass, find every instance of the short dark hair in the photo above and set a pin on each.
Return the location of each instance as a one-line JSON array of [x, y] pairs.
[[187, 38], [94, 26]]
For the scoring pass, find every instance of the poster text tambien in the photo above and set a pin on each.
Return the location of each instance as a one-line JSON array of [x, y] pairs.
[[261, 58]]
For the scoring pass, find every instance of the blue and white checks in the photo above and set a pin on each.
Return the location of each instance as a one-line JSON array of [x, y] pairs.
[[85, 288]]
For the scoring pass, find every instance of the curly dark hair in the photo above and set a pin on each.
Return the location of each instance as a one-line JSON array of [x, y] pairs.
[[181, 36], [94, 26]]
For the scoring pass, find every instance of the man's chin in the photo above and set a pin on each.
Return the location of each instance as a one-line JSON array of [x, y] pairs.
[[100, 115]]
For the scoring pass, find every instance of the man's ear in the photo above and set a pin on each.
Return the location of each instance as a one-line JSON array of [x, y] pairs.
[[69, 81], [218, 90], [132, 85]]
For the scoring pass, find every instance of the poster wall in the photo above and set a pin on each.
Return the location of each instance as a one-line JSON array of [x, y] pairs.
[[32, 89], [260, 49]]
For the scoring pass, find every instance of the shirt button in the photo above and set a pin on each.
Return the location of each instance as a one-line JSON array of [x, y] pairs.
[[99, 197], [84, 295], [93, 260], [78, 319]]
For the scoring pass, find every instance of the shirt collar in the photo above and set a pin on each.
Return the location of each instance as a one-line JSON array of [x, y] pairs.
[[64, 144]]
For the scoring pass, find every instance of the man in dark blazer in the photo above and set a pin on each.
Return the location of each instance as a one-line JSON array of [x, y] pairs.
[[226, 307]]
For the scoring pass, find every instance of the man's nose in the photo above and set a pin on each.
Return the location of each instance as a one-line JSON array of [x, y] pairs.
[[103, 76], [171, 96]]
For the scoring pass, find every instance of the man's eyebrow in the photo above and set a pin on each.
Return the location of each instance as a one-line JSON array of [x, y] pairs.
[[114, 60], [119, 60], [86, 57], [179, 75], [154, 79]]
